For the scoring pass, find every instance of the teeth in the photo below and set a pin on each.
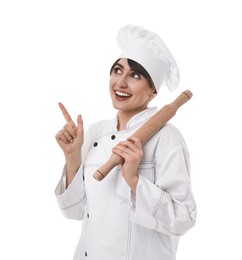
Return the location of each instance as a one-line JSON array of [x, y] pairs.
[[122, 94]]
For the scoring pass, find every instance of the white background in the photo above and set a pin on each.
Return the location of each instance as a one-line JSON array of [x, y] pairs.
[[53, 51]]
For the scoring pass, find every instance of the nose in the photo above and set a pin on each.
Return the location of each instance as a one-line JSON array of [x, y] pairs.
[[122, 82]]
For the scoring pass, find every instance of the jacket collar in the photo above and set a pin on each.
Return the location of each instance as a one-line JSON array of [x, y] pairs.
[[139, 118]]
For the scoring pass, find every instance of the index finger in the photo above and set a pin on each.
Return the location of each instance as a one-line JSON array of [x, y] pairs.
[[66, 115]]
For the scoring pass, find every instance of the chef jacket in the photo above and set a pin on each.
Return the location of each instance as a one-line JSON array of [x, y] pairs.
[[118, 224]]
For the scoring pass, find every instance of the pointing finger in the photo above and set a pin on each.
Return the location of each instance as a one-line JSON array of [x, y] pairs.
[[66, 115]]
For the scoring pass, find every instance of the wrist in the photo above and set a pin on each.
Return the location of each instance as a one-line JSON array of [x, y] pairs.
[[73, 159], [73, 163], [132, 182]]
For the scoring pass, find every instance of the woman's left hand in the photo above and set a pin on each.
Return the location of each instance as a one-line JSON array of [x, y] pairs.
[[131, 151]]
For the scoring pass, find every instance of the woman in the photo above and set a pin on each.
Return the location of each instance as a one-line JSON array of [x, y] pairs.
[[142, 207]]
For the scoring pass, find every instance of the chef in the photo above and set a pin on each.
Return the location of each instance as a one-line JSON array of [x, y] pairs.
[[142, 207]]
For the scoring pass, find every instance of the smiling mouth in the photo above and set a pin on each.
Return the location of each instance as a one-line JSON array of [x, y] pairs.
[[122, 95]]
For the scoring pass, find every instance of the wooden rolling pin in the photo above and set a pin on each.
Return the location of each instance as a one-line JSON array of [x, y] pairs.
[[146, 131]]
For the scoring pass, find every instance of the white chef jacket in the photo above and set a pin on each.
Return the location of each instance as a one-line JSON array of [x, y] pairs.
[[118, 224]]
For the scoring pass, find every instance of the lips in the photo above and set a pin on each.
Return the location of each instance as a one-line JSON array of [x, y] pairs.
[[121, 95]]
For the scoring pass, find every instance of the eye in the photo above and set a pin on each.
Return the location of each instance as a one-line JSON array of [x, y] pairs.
[[135, 75], [117, 70]]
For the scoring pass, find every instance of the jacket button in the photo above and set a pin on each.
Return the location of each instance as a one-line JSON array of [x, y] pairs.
[[95, 144], [113, 137]]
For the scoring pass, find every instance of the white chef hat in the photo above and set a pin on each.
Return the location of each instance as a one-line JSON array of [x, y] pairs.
[[147, 48]]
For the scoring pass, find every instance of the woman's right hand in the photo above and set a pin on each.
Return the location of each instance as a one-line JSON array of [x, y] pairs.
[[70, 138]]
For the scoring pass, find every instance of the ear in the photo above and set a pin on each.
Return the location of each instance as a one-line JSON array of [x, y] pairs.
[[152, 95]]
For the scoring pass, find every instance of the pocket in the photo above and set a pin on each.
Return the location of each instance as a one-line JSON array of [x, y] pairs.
[[147, 170], [122, 189]]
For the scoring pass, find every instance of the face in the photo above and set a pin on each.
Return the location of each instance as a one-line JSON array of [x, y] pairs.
[[130, 92]]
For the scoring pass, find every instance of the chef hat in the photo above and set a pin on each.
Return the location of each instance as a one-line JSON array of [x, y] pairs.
[[147, 48]]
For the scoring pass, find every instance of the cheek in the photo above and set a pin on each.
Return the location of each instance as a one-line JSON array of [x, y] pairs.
[[144, 95], [145, 98], [111, 82]]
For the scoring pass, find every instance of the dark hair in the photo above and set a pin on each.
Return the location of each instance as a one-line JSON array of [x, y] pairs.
[[136, 67]]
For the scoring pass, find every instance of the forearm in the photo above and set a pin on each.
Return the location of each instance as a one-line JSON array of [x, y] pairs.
[[158, 210], [72, 200], [73, 163], [132, 182]]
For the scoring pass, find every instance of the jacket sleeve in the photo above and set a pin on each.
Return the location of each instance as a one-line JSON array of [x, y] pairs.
[[72, 201], [168, 205]]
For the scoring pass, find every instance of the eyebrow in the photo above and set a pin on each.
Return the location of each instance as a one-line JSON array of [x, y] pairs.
[[120, 65]]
